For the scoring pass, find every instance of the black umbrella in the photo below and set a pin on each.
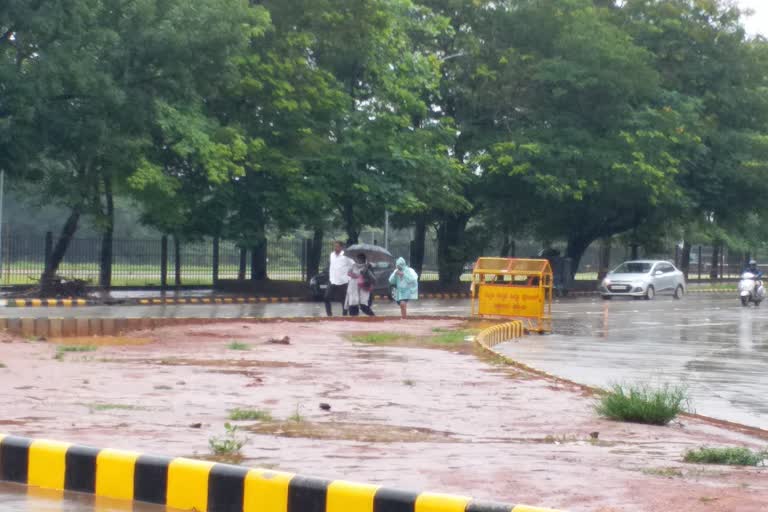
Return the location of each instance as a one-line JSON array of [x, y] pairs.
[[367, 248]]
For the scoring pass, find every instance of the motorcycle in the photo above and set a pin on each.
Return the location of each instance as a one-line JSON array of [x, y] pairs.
[[751, 289]]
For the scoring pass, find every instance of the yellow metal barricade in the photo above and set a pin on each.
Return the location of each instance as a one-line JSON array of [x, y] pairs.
[[514, 288]]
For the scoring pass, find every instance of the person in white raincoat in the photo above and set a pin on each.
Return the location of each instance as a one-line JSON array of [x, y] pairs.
[[361, 281]]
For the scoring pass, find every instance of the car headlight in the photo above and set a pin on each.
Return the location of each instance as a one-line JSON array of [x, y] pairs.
[[606, 281]]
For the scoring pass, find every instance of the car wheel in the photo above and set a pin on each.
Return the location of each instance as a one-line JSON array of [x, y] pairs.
[[650, 293], [679, 292], [757, 303], [606, 297]]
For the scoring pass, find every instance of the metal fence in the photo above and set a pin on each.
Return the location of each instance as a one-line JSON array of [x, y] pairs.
[[141, 262]]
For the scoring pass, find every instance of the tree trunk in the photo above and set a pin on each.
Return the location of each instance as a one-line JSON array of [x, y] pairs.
[[507, 245], [685, 258], [715, 269], [315, 253], [105, 259], [575, 250], [451, 250], [350, 225], [59, 250], [259, 259], [177, 260], [605, 259], [634, 251], [241, 269], [418, 245]]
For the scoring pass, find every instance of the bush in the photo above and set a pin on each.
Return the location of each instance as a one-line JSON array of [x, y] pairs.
[[249, 414], [643, 404], [730, 456], [229, 443]]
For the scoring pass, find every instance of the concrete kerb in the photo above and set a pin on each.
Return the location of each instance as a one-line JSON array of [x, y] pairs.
[[187, 484], [176, 301]]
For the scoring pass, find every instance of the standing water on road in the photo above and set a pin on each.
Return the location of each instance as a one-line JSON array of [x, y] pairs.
[[19, 498], [712, 345]]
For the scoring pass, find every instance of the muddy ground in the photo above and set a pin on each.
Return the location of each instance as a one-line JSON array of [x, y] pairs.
[[408, 413]]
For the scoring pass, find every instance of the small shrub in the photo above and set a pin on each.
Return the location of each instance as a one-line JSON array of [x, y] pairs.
[[409, 382], [296, 416], [377, 337], [2, 365], [249, 414], [76, 348], [643, 404], [229, 443], [733, 456], [236, 345]]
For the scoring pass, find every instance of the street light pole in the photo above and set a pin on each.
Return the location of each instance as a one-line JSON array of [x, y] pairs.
[[386, 229]]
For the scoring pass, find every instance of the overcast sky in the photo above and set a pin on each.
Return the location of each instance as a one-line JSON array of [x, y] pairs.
[[758, 22]]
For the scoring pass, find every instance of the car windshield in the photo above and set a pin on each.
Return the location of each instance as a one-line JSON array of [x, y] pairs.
[[633, 268]]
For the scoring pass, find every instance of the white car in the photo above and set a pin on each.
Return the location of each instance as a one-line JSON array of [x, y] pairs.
[[643, 279]]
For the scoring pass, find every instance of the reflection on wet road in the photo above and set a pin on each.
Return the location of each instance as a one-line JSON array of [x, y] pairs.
[[18, 498], [709, 343]]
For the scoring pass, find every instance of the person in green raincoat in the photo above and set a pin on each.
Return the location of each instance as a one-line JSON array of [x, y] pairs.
[[406, 281]]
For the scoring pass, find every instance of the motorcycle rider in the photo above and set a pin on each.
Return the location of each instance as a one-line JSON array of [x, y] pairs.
[[753, 269]]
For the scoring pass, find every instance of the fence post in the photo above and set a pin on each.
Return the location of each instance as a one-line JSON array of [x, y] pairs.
[[243, 264], [215, 261], [48, 250], [164, 262]]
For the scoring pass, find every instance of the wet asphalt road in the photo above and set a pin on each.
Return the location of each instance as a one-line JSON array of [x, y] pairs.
[[710, 344], [18, 498]]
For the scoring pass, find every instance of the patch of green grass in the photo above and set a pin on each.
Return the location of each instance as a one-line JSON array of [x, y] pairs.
[[730, 456], [451, 337], [236, 345], [377, 337], [115, 407], [59, 356], [229, 443], [249, 414], [641, 403], [664, 472]]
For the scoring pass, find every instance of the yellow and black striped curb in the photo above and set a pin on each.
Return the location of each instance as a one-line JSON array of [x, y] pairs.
[[42, 303], [186, 484]]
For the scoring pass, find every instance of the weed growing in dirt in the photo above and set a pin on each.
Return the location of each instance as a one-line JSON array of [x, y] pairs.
[[249, 414], [296, 416], [377, 337], [236, 345], [730, 456], [163, 387], [641, 403], [409, 382], [2, 365], [664, 472], [229, 443]]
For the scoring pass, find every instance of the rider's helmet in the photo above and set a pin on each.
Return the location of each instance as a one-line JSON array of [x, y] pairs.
[[752, 264]]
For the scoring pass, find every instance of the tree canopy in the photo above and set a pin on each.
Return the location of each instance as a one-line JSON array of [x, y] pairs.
[[566, 120]]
